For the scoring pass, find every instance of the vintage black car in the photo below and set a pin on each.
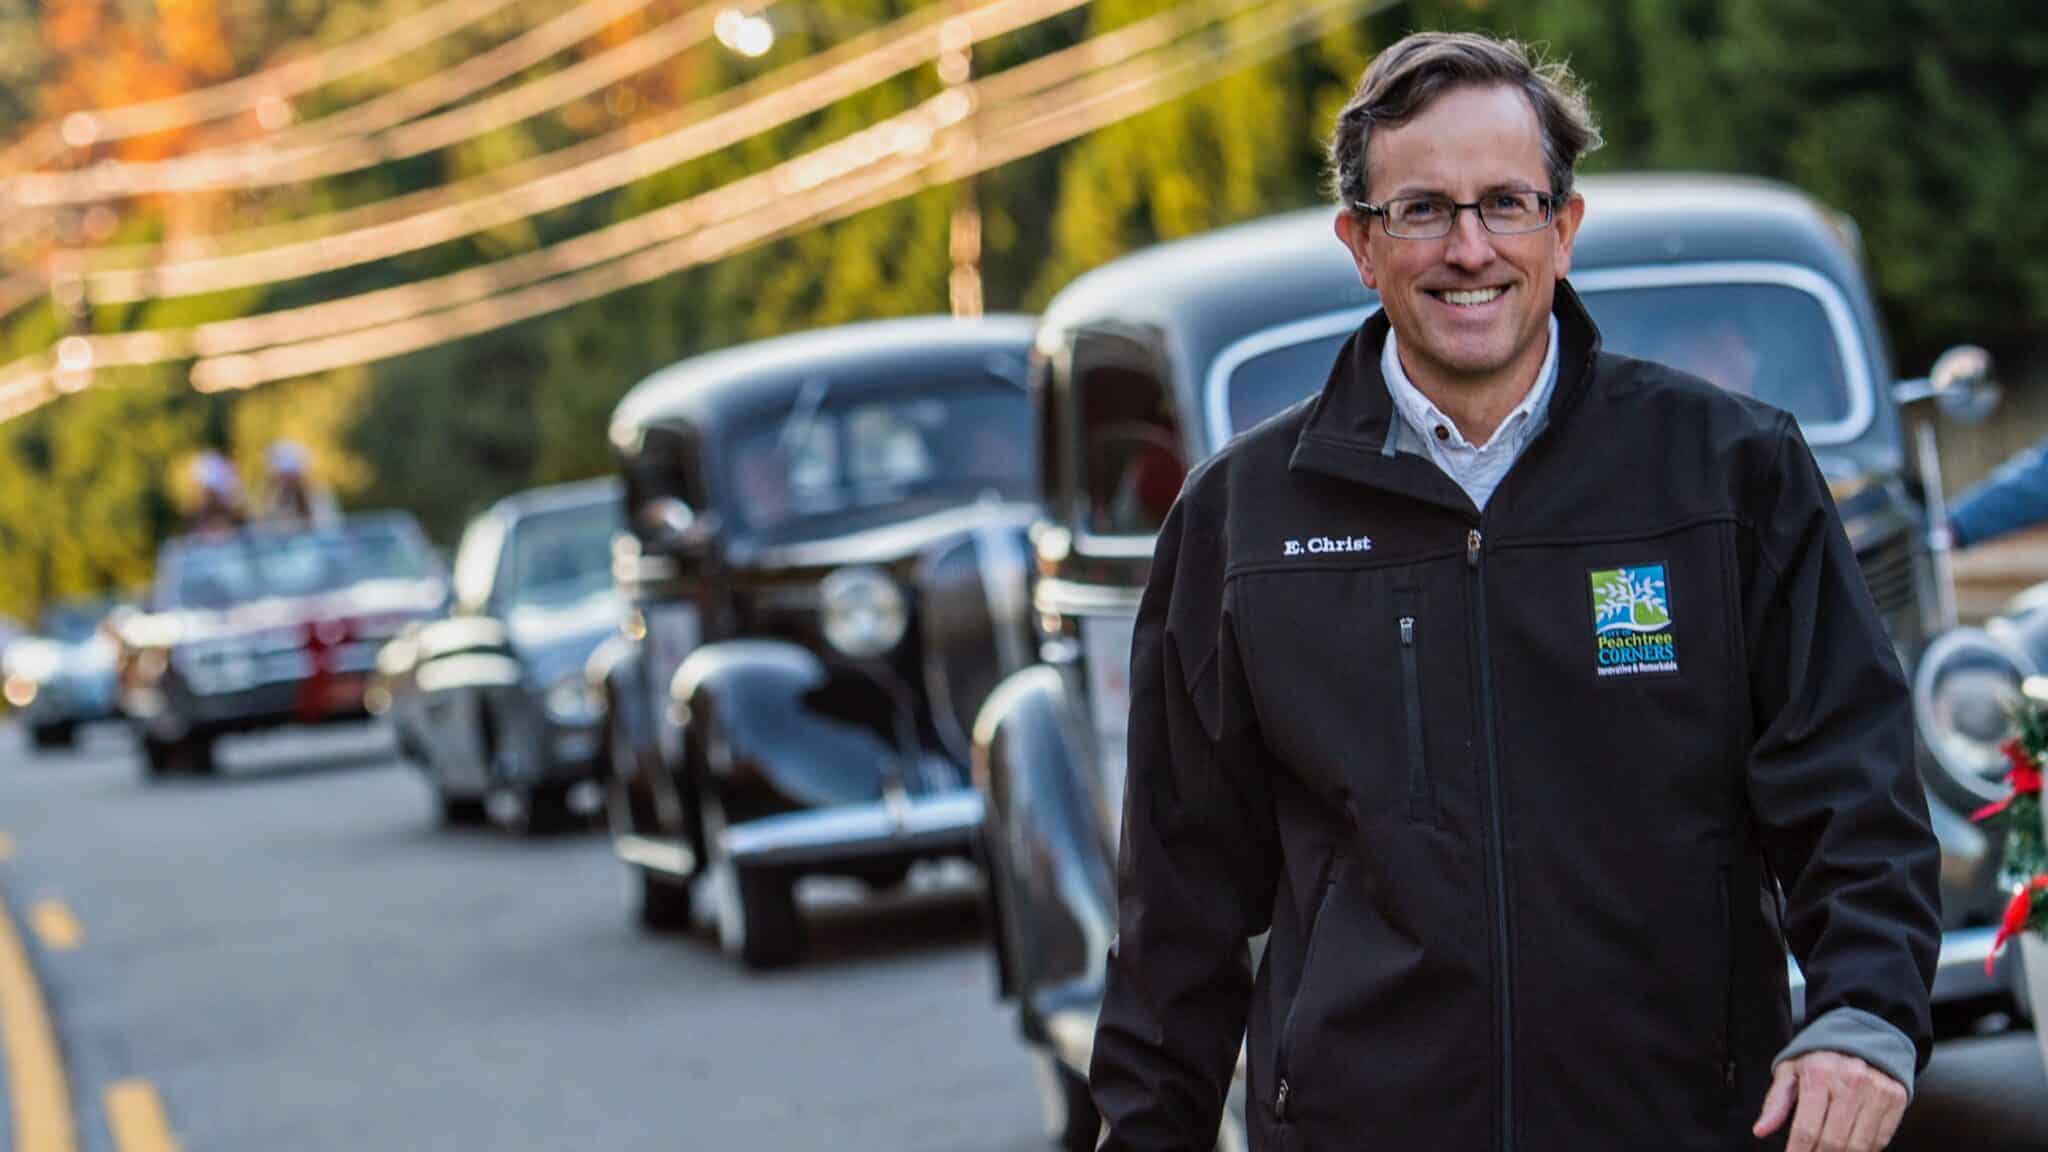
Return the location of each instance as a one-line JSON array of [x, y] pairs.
[[61, 677], [1150, 363], [825, 574], [266, 627], [491, 702]]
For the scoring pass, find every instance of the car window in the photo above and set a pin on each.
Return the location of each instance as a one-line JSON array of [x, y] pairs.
[[562, 556], [382, 550], [1131, 459], [229, 570], [872, 457], [1770, 341], [1269, 382]]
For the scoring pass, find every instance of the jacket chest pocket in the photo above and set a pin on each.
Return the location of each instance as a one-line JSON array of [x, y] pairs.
[[1356, 677], [1407, 633]]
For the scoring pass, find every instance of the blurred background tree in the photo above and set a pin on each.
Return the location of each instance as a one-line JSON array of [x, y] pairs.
[[1926, 122]]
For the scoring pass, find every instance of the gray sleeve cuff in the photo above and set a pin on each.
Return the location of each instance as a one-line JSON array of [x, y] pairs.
[[1854, 1032]]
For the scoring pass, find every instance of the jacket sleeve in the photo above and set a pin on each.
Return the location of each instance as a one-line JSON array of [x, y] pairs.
[[1195, 865], [1833, 787], [2014, 497]]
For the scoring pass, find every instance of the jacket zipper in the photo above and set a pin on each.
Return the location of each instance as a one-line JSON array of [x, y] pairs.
[[1282, 1092], [1419, 807], [1496, 850]]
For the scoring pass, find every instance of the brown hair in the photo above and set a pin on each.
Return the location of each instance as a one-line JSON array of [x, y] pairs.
[[1408, 76]]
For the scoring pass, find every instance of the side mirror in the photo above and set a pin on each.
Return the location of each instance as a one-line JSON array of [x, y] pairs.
[[1960, 384]]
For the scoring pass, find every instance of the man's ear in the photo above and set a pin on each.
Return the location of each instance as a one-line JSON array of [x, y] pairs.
[[1355, 230], [1566, 225]]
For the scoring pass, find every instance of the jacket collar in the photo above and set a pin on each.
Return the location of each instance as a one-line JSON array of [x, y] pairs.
[[1348, 428]]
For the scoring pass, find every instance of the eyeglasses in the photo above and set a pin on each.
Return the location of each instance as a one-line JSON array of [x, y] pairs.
[[1433, 217]]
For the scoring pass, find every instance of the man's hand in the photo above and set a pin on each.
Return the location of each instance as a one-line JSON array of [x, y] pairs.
[[1845, 1105]]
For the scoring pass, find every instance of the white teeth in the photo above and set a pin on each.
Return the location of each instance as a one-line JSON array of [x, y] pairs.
[[1478, 296]]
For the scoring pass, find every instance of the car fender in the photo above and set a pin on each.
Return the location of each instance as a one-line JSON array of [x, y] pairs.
[[1051, 870], [786, 728]]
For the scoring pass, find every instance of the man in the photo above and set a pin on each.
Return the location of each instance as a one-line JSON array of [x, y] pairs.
[[1575, 673]]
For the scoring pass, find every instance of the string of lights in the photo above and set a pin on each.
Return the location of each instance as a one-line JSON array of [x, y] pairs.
[[376, 132], [610, 243], [872, 167], [253, 92], [595, 167]]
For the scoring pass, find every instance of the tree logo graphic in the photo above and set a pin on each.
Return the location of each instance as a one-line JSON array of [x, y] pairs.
[[1628, 600]]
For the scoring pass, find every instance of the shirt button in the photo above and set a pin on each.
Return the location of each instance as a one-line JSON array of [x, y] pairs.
[[1443, 433]]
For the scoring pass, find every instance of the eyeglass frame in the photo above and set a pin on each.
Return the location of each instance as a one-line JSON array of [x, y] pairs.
[[1549, 200]]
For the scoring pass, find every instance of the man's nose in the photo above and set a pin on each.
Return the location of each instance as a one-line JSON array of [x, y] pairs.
[[1469, 245]]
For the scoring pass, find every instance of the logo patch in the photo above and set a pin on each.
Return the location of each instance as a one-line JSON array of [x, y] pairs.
[[1632, 622]]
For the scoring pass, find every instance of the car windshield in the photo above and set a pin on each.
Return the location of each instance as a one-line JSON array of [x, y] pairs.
[[73, 622], [229, 570], [873, 458], [1770, 341], [563, 555], [385, 550]]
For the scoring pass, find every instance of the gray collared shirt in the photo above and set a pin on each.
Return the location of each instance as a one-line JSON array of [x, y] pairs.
[[1426, 431]]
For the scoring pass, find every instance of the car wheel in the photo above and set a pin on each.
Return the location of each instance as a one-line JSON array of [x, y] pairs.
[[48, 736], [664, 903], [1070, 1115], [538, 811], [192, 756], [754, 908], [461, 811]]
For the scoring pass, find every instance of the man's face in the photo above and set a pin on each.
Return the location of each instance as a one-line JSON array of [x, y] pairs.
[[1470, 142]]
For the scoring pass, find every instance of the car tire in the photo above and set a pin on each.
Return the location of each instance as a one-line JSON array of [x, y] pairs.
[[664, 904], [540, 810], [753, 908], [192, 756], [773, 935], [51, 736], [1071, 1116], [461, 811]]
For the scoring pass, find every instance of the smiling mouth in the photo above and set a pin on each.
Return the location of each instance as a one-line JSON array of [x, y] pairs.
[[1470, 297]]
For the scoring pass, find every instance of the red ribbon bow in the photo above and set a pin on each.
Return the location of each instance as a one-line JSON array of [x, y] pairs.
[[2024, 775], [2016, 914]]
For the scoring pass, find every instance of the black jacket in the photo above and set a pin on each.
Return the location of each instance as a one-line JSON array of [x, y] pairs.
[[1511, 792]]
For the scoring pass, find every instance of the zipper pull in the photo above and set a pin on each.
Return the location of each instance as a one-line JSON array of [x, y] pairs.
[[1280, 1102], [1472, 548], [1407, 631], [1728, 1074]]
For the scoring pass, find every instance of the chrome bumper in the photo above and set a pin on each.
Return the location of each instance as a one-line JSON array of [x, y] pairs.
[[911, 828]]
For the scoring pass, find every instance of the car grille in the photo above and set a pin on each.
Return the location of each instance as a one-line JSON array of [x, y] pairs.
[[1888, 572]]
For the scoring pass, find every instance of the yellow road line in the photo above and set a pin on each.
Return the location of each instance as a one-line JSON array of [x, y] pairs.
[[55, 926], [35, 1073], [136, 1114]]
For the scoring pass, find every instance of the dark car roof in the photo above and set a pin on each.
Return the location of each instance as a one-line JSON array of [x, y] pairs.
[[1302, 268], [556, 497], [715, 388], [1206, 292]]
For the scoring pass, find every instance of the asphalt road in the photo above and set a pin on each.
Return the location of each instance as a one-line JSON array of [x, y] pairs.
[[292, 956]]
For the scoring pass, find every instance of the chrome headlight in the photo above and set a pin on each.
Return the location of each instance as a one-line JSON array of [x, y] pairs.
[[1964, 694], [864, 613], [574, 700]]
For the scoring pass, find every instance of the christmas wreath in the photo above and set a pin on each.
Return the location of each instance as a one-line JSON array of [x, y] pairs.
[[2018, 818]]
